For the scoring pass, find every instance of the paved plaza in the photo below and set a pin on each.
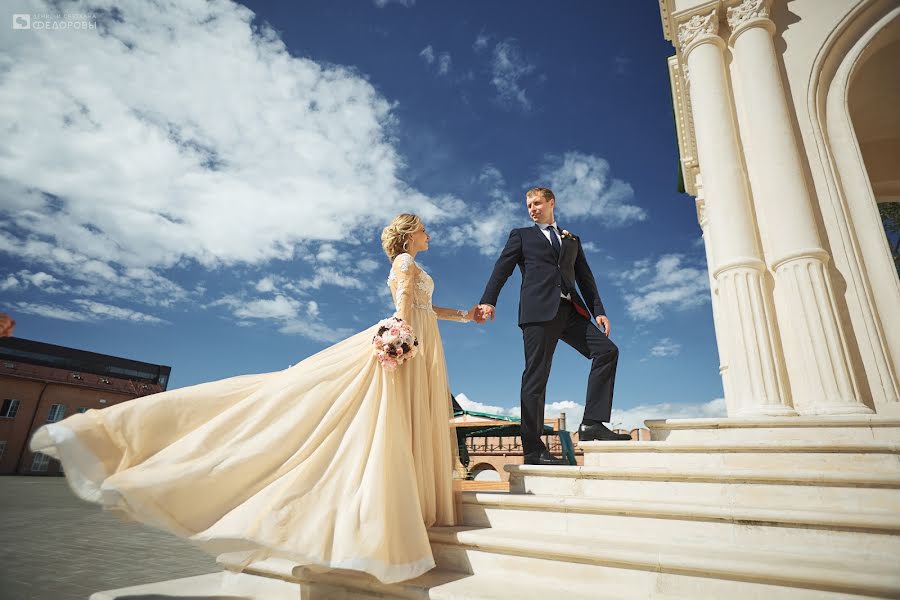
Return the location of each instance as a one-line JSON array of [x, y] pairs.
[[57, 547]]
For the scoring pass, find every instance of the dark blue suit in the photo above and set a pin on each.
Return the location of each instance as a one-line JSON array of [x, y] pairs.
[[545, 318]]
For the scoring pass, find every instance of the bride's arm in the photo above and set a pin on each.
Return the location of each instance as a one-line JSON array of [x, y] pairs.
[[452, 314], [405, 271]]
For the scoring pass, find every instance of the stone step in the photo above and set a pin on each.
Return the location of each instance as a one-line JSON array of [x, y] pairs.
[[774, 456], [214, 586], [860, 534], [830, 429], [747, 488], [638, 568], [314, 583]]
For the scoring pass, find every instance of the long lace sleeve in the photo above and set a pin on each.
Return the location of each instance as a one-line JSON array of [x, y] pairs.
[[451, 314], [403, 274]]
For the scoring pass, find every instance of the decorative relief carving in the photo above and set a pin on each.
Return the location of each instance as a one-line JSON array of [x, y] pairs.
[[701, 212], [696, 26], [746, 10]]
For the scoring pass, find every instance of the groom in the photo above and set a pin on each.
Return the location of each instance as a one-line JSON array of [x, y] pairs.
[[552, 262]]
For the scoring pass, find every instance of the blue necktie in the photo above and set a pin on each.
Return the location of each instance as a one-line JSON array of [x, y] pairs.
[[554, 241]]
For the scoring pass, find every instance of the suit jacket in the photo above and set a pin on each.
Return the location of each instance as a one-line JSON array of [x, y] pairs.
[[541, 276]]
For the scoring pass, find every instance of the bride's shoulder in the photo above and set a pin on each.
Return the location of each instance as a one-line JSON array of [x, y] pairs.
[[403, 262]]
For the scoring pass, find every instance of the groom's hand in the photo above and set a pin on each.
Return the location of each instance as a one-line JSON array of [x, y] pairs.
[[476, 315], [603, 322], [487, 312]]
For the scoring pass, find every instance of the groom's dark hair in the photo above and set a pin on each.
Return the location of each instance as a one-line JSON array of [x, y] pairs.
[[546, 193]]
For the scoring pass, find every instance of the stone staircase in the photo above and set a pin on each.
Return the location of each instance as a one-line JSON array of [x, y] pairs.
[[767, 508]]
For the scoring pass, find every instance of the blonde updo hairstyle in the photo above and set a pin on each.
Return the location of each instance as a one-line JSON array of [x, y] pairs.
[[395, 237]]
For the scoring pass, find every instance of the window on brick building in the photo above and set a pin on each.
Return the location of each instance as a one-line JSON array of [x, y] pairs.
[[81, 409], [57, 412], [40, 463], [10, 408], [2, 448]]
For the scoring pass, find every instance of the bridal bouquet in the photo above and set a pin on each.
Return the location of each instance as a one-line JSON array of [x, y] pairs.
[[394, 343]]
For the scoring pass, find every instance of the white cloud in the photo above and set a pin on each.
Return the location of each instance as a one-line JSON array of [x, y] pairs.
[[444, 62], [108, 311], [665, 347], [631, 418], [292, 316], [107, 182], [670, 286], [327, 253], [90, 311], [427, 54], [367, 265], [481, 42], [478, 406], [591, 247], [383, 3], [279, 307], [508, 68], [621, 64], [331, 276], [51, 312], [266, 284], [488, 228], [574, 412], [40, 279], [584, 189], [10, 283], [443, 59]]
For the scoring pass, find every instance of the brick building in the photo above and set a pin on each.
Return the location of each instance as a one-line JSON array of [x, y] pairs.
[[43, 383], [488, 454]]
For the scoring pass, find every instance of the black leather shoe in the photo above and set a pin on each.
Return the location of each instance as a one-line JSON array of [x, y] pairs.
[[544, 458], [600, 433]]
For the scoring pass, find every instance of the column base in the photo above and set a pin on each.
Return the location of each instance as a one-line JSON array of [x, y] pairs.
[[767, 411], [852, 408]]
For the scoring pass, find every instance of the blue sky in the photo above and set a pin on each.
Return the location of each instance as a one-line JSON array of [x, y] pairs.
[[204, 185]]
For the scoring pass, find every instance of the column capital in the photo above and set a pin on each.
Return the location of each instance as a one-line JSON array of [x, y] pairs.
[[698, 28], [744, 14]]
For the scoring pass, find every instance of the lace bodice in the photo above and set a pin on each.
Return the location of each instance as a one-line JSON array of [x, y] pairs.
[[412, 289], [407, 277]]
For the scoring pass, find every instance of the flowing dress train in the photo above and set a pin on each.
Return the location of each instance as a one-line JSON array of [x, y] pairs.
[[333, 462]]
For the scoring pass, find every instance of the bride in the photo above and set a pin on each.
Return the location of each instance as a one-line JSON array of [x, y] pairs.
[[334, 461]]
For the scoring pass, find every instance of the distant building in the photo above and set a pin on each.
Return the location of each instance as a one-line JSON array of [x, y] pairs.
[[43, 383], [488, 453]]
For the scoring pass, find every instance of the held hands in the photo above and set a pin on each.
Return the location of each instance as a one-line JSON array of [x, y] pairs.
[[479, 314], [486, 311]]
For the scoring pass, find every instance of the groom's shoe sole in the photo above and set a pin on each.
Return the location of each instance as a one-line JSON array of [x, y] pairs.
[[552, 461], [600, 434]]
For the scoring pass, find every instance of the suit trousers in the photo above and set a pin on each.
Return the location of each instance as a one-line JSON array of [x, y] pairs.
[[540, 344]]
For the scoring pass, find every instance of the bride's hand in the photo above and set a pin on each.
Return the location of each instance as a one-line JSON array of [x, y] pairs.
[[474, 314]]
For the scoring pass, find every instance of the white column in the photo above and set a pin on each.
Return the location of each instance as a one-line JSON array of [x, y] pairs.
[[718, 325], [752, 351], [821, 378]]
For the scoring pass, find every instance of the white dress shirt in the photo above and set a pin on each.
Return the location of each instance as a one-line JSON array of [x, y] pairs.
[[545, 229]]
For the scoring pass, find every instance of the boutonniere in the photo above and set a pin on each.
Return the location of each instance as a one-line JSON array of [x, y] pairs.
[[567, 235]]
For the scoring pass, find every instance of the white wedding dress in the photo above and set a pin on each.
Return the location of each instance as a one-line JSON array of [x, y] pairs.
[[334, 461]]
